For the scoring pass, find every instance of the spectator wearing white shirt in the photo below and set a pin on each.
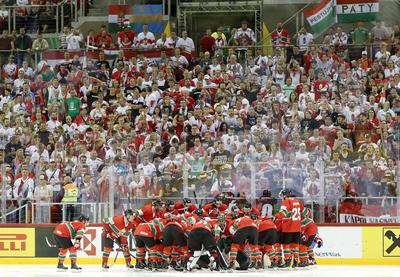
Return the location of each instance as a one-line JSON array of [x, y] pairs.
[[385, 110], [171, 41], [382, 54], [146, 168], [74, 40], [304, 39], [24, 186], [53, 122], [185, 43], [123, 108], [145, 39], [244, 35], [339, 39], [179, 60], [351, 112]]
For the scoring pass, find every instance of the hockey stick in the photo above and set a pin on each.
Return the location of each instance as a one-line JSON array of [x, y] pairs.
[[196, 257], [115, 259], [225, 263], [49, 244], [195, 197]]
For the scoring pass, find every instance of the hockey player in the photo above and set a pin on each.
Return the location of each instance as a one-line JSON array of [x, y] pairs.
[[247, 210], [150, 211], [184, 206], [244, 230], [317, 242], [175, 240], [118, 229], [309, 232], [147, 236], [267, 237], [290, 214], [216, 204], [63, 234], [202, 238]]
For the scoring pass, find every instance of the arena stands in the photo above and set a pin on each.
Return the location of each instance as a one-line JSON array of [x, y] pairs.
[[114, 121]]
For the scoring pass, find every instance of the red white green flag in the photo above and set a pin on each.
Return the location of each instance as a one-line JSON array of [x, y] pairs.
[[322, 16], [356, 10]]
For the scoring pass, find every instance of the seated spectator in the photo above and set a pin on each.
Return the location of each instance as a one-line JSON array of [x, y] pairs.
[[145, 39]]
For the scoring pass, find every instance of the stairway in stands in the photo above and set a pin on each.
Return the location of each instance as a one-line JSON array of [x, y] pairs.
[[99, 8]]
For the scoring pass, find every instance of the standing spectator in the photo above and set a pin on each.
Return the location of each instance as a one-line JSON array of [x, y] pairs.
[[70, 197], [73, 104], [63, 38], [10, 70], [379, 33], [339, 39], [244, 35], [6, 46], [382, 55], [219, 36], [74, 40], [43, 194], [207, 42], [87, 193], [53, 177], [360, 36], [304, 39], [171, 41], [23, 190], [280, 36], [39, 45], [23, 45], [146, 39], [186, 44], [91, 40]]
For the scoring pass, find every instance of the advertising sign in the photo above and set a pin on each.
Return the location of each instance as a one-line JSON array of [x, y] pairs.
[[340, 242], [17, 242]]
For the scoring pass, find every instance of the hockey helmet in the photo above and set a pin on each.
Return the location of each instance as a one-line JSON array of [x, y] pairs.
[[285, 193], [83, 218]]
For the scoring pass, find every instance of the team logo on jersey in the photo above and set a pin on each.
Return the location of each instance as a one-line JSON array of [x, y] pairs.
[[391, 242]]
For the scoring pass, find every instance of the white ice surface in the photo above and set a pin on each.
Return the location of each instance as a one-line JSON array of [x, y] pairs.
[[121, 271]]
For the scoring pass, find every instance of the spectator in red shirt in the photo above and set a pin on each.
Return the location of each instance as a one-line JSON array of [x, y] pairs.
[[207, 42], [104, 40]]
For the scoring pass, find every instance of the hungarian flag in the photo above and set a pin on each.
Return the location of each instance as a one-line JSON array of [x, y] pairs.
[[322, 16], [135, 16], [356, 10]]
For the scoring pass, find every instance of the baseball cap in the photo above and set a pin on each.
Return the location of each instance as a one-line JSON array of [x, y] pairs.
[[364, 53]]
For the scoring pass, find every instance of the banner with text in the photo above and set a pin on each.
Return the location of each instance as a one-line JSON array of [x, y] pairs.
[[356, 10], [352, 218]]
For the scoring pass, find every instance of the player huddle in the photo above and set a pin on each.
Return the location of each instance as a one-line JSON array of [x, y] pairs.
[[184, 237]]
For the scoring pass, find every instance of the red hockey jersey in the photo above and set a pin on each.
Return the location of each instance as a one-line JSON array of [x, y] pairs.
[[114, 225], [153, 229], [72, 230], [148, 212], [265, 224], [241, 223], [222, 208], [308, 227], [290, 214]]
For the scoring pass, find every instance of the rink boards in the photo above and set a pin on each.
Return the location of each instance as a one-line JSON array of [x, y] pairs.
[[343, 245]]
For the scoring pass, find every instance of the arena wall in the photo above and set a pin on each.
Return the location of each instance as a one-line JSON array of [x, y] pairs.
[[349, 244]]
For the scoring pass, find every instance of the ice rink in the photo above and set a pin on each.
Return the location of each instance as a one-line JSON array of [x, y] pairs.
[[119, 270]]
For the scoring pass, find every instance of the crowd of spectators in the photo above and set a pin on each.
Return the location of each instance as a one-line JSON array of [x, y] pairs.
[[37, 15], [320, 119]]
